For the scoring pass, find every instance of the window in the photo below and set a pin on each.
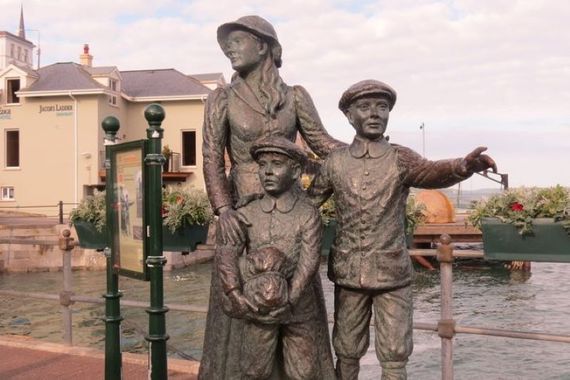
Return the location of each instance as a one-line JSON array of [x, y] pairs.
[[113, 87], [12, 47], [19, 53], [12, 149], [7, 193], [113, 84], [12, 86], [188, 148], [26, 56]]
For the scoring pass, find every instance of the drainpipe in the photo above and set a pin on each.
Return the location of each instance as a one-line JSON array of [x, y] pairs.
[[75, 150]]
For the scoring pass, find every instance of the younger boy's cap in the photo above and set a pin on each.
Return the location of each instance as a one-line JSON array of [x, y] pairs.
[[278, 144], [364, 88]]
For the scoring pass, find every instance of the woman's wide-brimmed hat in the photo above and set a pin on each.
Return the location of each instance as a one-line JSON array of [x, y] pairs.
[[255, 25]]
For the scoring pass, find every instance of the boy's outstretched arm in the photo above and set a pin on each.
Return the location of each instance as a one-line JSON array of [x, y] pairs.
[[416, 171]]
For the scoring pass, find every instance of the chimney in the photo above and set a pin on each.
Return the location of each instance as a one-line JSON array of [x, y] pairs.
[[86, 59]]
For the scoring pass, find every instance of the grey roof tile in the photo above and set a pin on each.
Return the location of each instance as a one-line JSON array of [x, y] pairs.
[[163, 82], [100, 70], [64, 77], [207, 76]]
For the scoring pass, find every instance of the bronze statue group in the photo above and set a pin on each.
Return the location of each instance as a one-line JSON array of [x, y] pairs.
[[267, 317]]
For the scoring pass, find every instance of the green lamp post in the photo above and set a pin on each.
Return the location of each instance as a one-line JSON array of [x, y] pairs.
[[157, 337], [113, 318]]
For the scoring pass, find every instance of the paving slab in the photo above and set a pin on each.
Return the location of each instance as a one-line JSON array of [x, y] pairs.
[[26, 358]]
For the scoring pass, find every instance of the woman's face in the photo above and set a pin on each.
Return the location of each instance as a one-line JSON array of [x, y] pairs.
[[244, 50]]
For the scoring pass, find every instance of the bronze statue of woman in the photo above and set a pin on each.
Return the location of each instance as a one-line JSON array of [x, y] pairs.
[[256, 104]]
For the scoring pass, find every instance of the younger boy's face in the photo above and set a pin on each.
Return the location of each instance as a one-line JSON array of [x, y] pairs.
[[277, 172], [369, 116]]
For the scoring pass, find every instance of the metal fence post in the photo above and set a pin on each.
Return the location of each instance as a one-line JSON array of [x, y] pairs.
[[113, 318], [446, 325], [157, 337], [66, 244], [60, 204]]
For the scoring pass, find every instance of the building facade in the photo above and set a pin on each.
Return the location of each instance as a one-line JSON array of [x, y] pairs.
[[50, 124]]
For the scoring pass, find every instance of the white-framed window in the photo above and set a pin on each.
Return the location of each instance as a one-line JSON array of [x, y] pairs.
[[12, 86], [113, 85], [12, 50], [19, 53], [12, 139], [188, 148], [7, 193]]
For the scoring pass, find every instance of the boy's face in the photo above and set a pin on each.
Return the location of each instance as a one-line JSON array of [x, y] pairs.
[[369, 116], [277, 172]]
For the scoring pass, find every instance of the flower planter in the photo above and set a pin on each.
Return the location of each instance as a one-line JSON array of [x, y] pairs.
[[184, 239], [549, 242], [88, 235]]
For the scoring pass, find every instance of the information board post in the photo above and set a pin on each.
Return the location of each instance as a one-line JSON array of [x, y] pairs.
[[113, 318], [157, 337]]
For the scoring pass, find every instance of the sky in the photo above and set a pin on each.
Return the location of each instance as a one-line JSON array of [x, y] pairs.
[[492, 73]]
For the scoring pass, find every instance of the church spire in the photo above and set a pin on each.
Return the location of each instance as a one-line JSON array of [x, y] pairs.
[[21, 28]]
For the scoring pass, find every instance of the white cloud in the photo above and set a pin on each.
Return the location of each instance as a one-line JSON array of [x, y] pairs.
[[460, 66]]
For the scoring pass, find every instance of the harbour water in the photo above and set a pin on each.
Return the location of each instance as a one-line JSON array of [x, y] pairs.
[[484, 295]]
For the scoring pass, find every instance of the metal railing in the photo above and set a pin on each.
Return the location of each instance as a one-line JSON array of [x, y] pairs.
[[58, 211], [446, 327]]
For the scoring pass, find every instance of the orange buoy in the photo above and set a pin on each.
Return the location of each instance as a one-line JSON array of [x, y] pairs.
[[438, 207]]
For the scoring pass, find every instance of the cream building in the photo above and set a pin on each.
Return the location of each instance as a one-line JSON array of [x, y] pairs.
[[50, 122]]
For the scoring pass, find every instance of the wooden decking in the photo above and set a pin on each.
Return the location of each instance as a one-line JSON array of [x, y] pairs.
[[460, 231]]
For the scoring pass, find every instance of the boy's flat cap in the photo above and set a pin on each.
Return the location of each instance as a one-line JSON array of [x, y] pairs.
[[278, 144], [364, 88]]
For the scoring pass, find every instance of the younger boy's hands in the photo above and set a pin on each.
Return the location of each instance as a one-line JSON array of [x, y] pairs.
[[281, 312], [275, 316], [241, 305]]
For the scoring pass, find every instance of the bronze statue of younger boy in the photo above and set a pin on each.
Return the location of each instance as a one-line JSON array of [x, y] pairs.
[[270, 278], [369, 263]]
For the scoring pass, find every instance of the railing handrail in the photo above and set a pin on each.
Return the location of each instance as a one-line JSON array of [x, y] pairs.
[[59, 206], [424, 326], [39, 206]]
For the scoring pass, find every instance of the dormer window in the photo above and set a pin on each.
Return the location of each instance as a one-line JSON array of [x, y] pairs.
[[113, 84], [12, 86]]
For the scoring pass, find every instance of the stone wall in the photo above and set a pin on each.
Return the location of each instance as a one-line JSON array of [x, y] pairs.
[[34, 248]]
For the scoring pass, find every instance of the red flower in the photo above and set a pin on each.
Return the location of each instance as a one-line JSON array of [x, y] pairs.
[[517, 206]]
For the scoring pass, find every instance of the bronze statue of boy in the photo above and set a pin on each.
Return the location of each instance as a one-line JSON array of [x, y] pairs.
[[269, 279], [369, 263]]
